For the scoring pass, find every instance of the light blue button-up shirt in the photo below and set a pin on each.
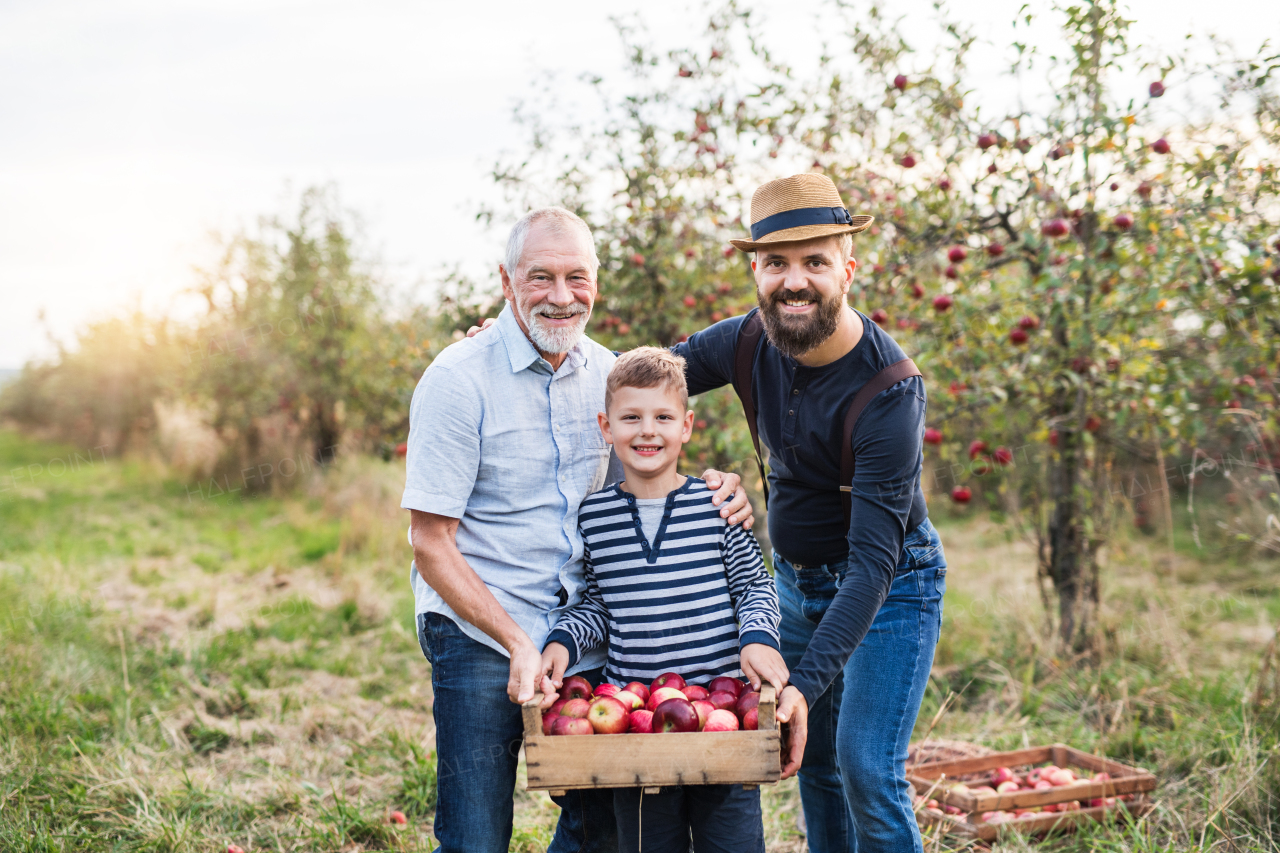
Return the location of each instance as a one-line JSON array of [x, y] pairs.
[[506, 444]]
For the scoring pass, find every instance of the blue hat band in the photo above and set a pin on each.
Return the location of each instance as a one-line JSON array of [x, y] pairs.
[[802, 216]]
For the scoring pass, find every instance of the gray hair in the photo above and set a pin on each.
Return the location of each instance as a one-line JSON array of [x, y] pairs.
[[559, 220]]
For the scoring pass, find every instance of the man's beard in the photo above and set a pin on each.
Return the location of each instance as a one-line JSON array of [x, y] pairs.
[[553, 341], [796, 335]]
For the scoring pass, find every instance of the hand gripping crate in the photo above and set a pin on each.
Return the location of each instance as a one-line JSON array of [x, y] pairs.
[[662, 759]]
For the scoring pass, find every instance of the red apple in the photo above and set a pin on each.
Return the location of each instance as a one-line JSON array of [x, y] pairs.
[[637, 259], [983, 789], [721, 721], [976, 448], [1055, 228], [234, 848], [1069, 806], [986, 140], [726, 684], [1029, 322], [704, 709], [879, 316], [995, 250], [1061, 778], [908, 162], [641, 722], [932, 436], [608, 716], [1042, 785], [402, 449], [1017, 337], [638, 689], [1003, 774], [1093, 423], [751, 720], [1003, 455], [1006, 787], [722, 699], [548, 719], [1124, 221], [629, 699], [662, 694], [577, 708], [956, 254], [606, 689], [399, 817], [900, 82], [951, 271], [961, 494], [695, 692], [942, 302], [917, 290], [944, 184], [554, 710], [571, 726], [668, 679], [1101, 777], [675, 715], [575, 687], [1160, 146], [746, 702], [1156, 89], [690, 302]]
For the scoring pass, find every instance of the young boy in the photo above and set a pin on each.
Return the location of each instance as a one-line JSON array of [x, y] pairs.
[[671, 588]]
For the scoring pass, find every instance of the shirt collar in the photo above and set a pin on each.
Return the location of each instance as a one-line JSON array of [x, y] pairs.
[[521, 350]]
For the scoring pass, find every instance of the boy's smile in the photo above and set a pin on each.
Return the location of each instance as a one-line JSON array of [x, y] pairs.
[[647, 428]]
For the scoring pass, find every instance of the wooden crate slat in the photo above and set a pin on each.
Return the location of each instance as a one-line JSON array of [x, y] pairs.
[[650, 760], [1063, 821]]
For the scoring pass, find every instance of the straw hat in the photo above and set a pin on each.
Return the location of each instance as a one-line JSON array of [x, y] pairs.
[[800, 207]]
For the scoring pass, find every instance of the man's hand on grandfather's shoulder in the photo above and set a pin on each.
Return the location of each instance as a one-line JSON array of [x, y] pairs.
[[736, 509], [484, 324]]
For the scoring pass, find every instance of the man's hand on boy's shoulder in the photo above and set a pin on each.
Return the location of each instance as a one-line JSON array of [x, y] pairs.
[[761, 664], [737, 509]]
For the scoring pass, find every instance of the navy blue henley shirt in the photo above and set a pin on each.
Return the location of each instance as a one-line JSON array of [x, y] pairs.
[[800, 414]]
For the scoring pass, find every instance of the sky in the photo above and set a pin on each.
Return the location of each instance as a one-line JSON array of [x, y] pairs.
[[133, 133]]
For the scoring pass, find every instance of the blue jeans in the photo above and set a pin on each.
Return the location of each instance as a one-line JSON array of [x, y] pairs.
[[852, 782], [478, 736], [719, 818]]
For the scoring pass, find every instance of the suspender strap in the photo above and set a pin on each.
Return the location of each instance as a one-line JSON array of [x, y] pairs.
[[744, 358], [887, 378]]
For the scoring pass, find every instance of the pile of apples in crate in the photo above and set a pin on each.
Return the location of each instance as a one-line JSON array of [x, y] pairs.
[[666, 705], [1006, 781]]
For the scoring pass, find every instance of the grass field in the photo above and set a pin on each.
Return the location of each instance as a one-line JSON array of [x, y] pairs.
[[180, 671]]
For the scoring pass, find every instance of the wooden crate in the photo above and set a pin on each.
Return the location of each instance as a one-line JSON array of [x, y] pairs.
[[562, 763], [930, 779], [1054, 821]]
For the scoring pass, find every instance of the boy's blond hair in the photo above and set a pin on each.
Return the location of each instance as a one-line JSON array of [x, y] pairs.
[[647, 367]]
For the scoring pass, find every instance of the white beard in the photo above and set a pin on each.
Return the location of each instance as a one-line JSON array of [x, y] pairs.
[[553, 341]]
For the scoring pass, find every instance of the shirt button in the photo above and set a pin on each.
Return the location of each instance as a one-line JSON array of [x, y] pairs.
[[792, 412], [795, 392]]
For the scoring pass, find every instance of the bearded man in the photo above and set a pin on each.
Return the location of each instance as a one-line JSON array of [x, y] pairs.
[[860, 578], [503, 447]]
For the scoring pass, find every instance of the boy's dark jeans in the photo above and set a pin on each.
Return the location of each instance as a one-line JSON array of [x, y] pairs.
[[478, 736], [722, 818]]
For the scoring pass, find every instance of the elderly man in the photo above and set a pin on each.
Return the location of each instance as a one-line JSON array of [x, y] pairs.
[[859, 569], [503, 447]]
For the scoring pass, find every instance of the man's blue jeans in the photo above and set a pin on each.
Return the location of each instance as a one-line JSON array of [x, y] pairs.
[[852, 783], [478, 736]]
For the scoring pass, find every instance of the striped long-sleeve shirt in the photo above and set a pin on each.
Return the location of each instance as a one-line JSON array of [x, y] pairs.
[[686, 603]]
